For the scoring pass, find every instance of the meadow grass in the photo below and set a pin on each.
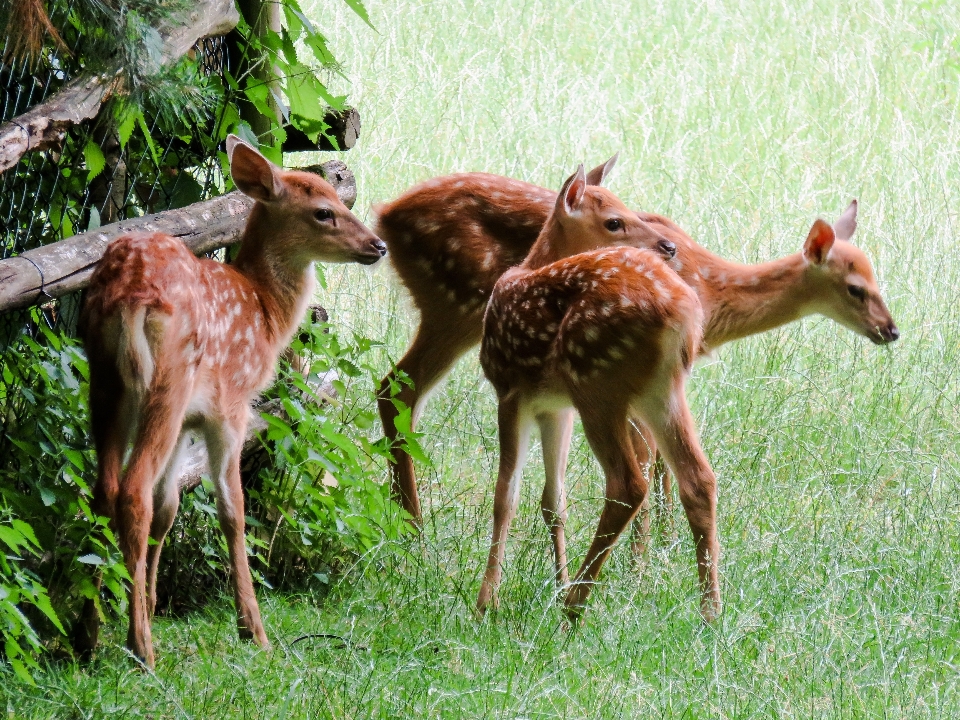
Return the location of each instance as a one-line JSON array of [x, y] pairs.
[[837, 462]]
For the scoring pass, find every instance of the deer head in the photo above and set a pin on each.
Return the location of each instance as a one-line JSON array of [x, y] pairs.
[[847, 290], [306, 219]]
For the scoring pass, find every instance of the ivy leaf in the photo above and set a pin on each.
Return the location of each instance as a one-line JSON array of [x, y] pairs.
[[93, 156]]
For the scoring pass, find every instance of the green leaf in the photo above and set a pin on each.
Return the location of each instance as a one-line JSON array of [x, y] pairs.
[[125, 127], [90, 559], [148, 137], [96, 162], [361, 11], [308, 96], [42, 603], [13, 539], [47, 496]]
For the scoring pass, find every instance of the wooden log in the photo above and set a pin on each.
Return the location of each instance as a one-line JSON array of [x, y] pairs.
[[45, 126], [344, 128], [64, 267]]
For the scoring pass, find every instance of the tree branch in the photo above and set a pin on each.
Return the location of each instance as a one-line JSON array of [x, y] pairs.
[[45, 126]]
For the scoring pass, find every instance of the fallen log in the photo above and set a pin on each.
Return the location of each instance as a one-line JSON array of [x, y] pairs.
[[344, 129], [45, 126], [63, 267]]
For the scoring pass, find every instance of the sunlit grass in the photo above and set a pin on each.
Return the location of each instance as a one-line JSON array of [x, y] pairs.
[[837, 460]]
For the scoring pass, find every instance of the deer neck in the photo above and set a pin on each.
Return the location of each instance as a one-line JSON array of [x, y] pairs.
[[283, 285], [742, 300], [552, 244]]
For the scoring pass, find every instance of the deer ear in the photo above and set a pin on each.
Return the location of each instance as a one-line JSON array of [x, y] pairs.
[[846, 224], [818, 243], [600, 172], [254, 175], [571, 194]]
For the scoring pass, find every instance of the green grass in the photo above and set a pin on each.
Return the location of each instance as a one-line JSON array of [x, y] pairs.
[[837, 460]]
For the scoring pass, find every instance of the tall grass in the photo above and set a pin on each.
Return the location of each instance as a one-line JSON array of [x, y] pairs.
[[837, 460]]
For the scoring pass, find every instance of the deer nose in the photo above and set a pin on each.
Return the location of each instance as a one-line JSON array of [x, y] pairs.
[[380, 246], [667, 248], [892, 332]]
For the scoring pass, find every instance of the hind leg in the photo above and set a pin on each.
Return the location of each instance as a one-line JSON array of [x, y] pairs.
[[439, 343], [626, 487], [111, 419], [160, 424], [166, 501], [644, 448], [677, 438], [515, 426], [555, 431]]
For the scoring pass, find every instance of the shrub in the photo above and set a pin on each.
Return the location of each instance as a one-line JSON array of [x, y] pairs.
[[318, 502]]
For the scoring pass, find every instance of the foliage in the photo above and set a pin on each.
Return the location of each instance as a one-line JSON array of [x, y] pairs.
[[316, 500], [322, 498], [54, 539], [164, 131], [155, 146]]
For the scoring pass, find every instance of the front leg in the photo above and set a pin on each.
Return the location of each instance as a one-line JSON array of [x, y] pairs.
[[224, 441]]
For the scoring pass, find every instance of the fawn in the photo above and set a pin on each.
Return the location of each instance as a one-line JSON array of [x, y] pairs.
[[177, 344], [829, 276], [613, 333], [450, 238]]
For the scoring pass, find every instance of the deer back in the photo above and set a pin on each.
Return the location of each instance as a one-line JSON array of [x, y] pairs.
[[595, 315], [452, 237]]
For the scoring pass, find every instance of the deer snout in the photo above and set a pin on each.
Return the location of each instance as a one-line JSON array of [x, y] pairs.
[[373, 250], [667, 248], [890, 333]]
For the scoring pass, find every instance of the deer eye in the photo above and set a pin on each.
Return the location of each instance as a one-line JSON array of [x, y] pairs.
[[613, 224], [857, 291], [323, 214]]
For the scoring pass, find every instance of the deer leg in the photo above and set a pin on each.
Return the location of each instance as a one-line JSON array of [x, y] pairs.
[[224, 442], [555, 431], [159, 427], [677, 438], [166, 501], [110, 423], [626, 486], [439, 343], [515, 427]]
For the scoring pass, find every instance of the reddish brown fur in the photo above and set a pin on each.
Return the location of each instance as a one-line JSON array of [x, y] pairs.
[[738, 300], [178, 343], [452, 238], [612, 333]]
